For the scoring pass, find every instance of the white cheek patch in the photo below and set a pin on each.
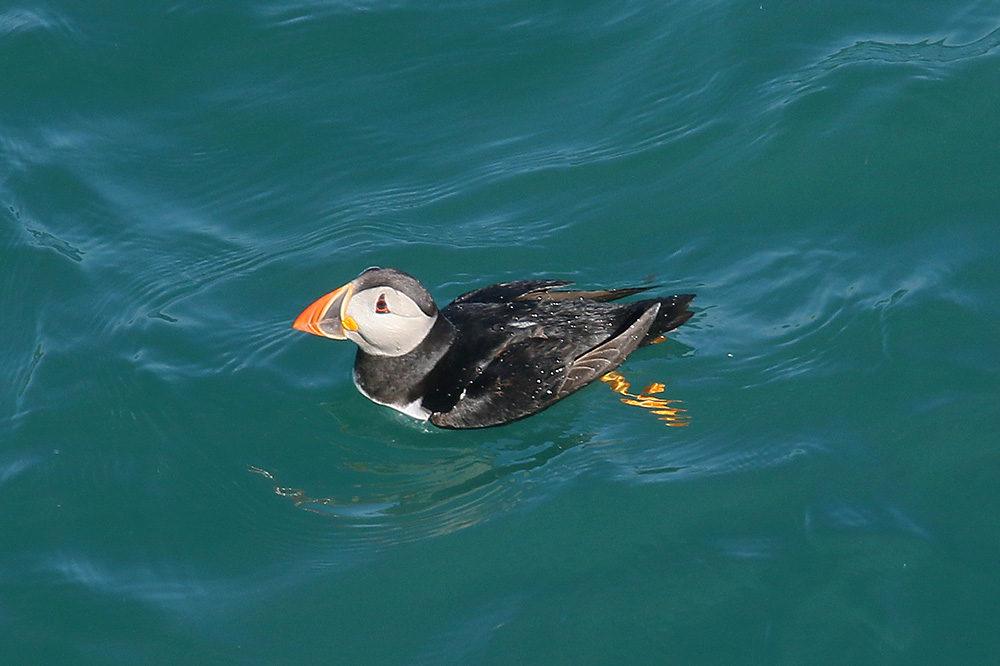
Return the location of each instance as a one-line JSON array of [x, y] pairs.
[[387, 333]]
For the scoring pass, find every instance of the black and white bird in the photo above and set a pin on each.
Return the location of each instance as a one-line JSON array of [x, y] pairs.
[[491, 356]]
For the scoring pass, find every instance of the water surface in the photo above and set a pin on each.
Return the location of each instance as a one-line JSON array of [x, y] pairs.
[[183, 478]]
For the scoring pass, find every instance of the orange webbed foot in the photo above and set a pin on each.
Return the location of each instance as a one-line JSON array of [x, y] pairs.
[[666, 410]]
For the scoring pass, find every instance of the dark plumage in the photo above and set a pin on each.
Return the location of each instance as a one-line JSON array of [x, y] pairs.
[[493, 355]]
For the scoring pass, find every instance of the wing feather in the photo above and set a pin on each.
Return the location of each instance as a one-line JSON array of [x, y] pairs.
[[527, 375], [608, 355]]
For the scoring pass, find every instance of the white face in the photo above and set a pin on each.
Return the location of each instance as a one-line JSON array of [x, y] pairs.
[[388, 322]]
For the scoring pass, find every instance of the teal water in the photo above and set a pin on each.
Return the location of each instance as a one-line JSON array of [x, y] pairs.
[[185, 479]]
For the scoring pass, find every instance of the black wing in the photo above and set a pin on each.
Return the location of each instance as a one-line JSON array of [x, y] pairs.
[[506, 292], [528, 374], [526, 290]]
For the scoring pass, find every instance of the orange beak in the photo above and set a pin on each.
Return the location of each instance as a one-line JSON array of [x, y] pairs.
[[326, 317]]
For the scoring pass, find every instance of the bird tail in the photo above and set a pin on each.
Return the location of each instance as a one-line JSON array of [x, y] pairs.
[[673, 312]]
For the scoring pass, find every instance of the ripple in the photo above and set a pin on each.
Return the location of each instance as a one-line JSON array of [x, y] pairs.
[[290, 12], [789, 312], [12, 468], [25, 20], [465, 638], [874, 517], [45, 239], [164, 585], [683, 458], [878, 65], [749, 548]]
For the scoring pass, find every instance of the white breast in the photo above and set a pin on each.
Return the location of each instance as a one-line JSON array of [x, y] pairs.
[[412, 409]]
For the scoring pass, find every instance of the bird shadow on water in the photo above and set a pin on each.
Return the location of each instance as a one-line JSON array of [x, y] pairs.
[[395, 479]]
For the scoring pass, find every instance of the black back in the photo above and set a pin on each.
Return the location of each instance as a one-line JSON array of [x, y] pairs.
[[520, 347]]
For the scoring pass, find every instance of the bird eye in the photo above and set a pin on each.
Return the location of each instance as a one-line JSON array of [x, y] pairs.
[[381, 306]]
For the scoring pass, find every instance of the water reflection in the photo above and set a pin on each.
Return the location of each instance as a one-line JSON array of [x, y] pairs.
[[398, 489]]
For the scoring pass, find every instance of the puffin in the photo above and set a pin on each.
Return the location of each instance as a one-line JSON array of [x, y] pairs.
[[493, 355]]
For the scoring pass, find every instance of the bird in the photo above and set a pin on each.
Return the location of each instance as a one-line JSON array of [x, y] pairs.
[[493, 355]]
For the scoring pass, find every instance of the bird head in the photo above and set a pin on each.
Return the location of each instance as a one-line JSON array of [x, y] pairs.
[[384, 311]]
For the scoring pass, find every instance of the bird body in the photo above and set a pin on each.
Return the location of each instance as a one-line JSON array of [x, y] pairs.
[[493, 355]]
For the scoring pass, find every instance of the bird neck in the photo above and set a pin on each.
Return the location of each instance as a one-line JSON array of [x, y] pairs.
[[394, 380]]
